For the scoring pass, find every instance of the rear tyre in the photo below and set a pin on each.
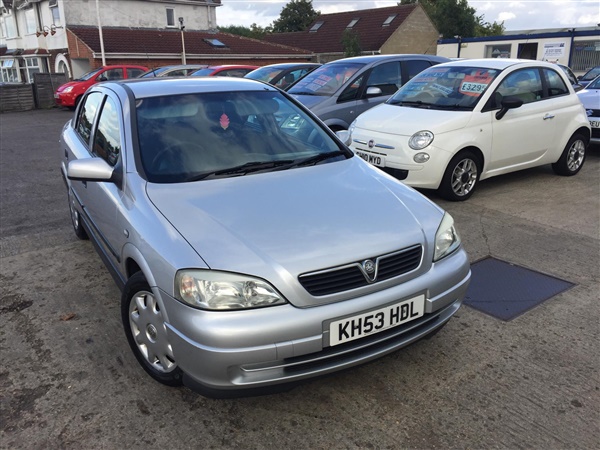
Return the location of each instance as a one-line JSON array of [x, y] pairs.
[[146, 331], [573, 156], [461, 177], [76, 218]]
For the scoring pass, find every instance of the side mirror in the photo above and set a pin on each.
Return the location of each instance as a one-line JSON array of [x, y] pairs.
[[374, 91], [344, 136], [508, 103], [89, 169], [577, 87]]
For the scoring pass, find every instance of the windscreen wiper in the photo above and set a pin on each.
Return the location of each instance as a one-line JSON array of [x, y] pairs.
[[415, 103], [243, 169], [312, 160]]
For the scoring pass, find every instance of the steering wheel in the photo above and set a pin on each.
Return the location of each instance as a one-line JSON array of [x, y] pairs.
[[171, 159]]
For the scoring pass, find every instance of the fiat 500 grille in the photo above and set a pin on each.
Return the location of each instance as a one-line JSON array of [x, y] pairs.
[[350, 276]]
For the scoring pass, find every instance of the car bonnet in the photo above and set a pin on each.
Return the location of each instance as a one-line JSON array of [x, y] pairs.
[[281, 224], [405, 121]]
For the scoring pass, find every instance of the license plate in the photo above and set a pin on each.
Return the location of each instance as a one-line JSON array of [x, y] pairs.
[[361, 325], [376, 160], [595, 123], [56, 95]]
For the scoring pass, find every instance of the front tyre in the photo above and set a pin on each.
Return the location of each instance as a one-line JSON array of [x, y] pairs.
[[573, 156], [461, 177], [146, 331]]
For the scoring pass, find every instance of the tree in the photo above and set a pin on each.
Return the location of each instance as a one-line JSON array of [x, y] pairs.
[[255, 31], [297, 15], [351, 43], [457, 18]]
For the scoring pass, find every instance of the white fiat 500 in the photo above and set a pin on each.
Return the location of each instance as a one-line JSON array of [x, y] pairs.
[[460, 122], [253, 248]]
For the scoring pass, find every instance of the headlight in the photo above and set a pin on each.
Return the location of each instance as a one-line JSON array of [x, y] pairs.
[[68, 89], [420, 140], [446, 238], [220, 290]]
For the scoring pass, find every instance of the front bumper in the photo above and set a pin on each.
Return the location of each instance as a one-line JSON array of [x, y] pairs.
[[237, 351]]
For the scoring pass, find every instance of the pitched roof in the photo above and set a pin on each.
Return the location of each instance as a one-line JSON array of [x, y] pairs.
[[153, 41], [328, 37]]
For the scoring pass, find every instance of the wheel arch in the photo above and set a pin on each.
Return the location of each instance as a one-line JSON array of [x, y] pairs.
[[134, 261]]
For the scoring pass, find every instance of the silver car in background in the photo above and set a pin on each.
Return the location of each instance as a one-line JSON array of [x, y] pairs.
[[252, 248]]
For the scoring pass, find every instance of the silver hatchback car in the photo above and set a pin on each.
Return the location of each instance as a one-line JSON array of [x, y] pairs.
[[252, 248]]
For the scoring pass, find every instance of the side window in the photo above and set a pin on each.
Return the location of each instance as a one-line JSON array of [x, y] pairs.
[[524, 84], [111, 74], [107, 140], [386, 77], [556, 85], [415, 67], [87, 113], [134, 73], [351, 92]]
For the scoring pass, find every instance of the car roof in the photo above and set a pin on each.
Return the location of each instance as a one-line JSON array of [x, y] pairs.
[[231, 66], [156, 87], [290, 65], [498, 63], [375, 58]]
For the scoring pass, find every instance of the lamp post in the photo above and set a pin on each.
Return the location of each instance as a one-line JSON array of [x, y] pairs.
[[182, 27], [459, 39], [100, 32]]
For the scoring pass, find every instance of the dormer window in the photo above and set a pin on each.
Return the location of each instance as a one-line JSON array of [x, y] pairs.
[[389, 20], [316, 26], [352, 23]]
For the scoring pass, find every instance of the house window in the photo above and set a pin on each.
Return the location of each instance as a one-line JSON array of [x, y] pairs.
[[9, 71], [389, 20], [316, 26], [497, 51], [32, 65], [11, 27], [30, 22], [170, 17], [3, 33], [351, 24], [55, 14]]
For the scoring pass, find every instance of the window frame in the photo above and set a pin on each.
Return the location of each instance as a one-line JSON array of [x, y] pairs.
[[170, 19]]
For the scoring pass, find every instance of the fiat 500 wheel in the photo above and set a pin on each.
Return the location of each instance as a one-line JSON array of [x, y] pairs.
[[573, 156], [461, 177], [146, 331]]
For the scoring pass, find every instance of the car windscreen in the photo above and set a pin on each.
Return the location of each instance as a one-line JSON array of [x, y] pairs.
[[198, 136], [325, 80], [594, 84], [89, 75], [590, 75], [456, 87], [202, 72], [265, 74]]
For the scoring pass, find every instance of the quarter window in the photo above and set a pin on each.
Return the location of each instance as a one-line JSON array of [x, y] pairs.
[[556, 85], [107, 140], [134, 73], [85, 121]]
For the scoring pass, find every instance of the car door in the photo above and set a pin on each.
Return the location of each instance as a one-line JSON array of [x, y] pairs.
[[104, 198], [524, 134]]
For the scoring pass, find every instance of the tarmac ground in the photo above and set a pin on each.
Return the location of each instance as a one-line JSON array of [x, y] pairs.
[[69, 379]]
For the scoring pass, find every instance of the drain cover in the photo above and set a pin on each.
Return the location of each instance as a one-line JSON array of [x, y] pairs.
[[505, 290]]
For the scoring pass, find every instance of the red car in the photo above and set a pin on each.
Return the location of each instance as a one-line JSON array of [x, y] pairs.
[[224, 71], [69, 93]]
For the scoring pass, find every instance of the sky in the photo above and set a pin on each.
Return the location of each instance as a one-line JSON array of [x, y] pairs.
[[517, 15]]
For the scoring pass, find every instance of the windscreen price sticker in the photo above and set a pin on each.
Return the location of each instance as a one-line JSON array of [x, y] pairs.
[[351, 328], [472, 88]]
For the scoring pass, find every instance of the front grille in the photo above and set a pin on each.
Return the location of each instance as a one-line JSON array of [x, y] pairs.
[[350, 276]]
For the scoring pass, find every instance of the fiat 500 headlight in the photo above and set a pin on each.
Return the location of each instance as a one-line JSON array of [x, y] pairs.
[[420, 140], [446, 238], [221, 290]]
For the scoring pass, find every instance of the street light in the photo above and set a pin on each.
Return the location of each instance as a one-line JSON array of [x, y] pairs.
[[182, 27]]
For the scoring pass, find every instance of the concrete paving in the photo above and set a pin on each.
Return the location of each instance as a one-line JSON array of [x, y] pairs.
[[69, 380]]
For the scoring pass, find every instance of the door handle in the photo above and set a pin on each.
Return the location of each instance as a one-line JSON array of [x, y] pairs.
[[549, 116]]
